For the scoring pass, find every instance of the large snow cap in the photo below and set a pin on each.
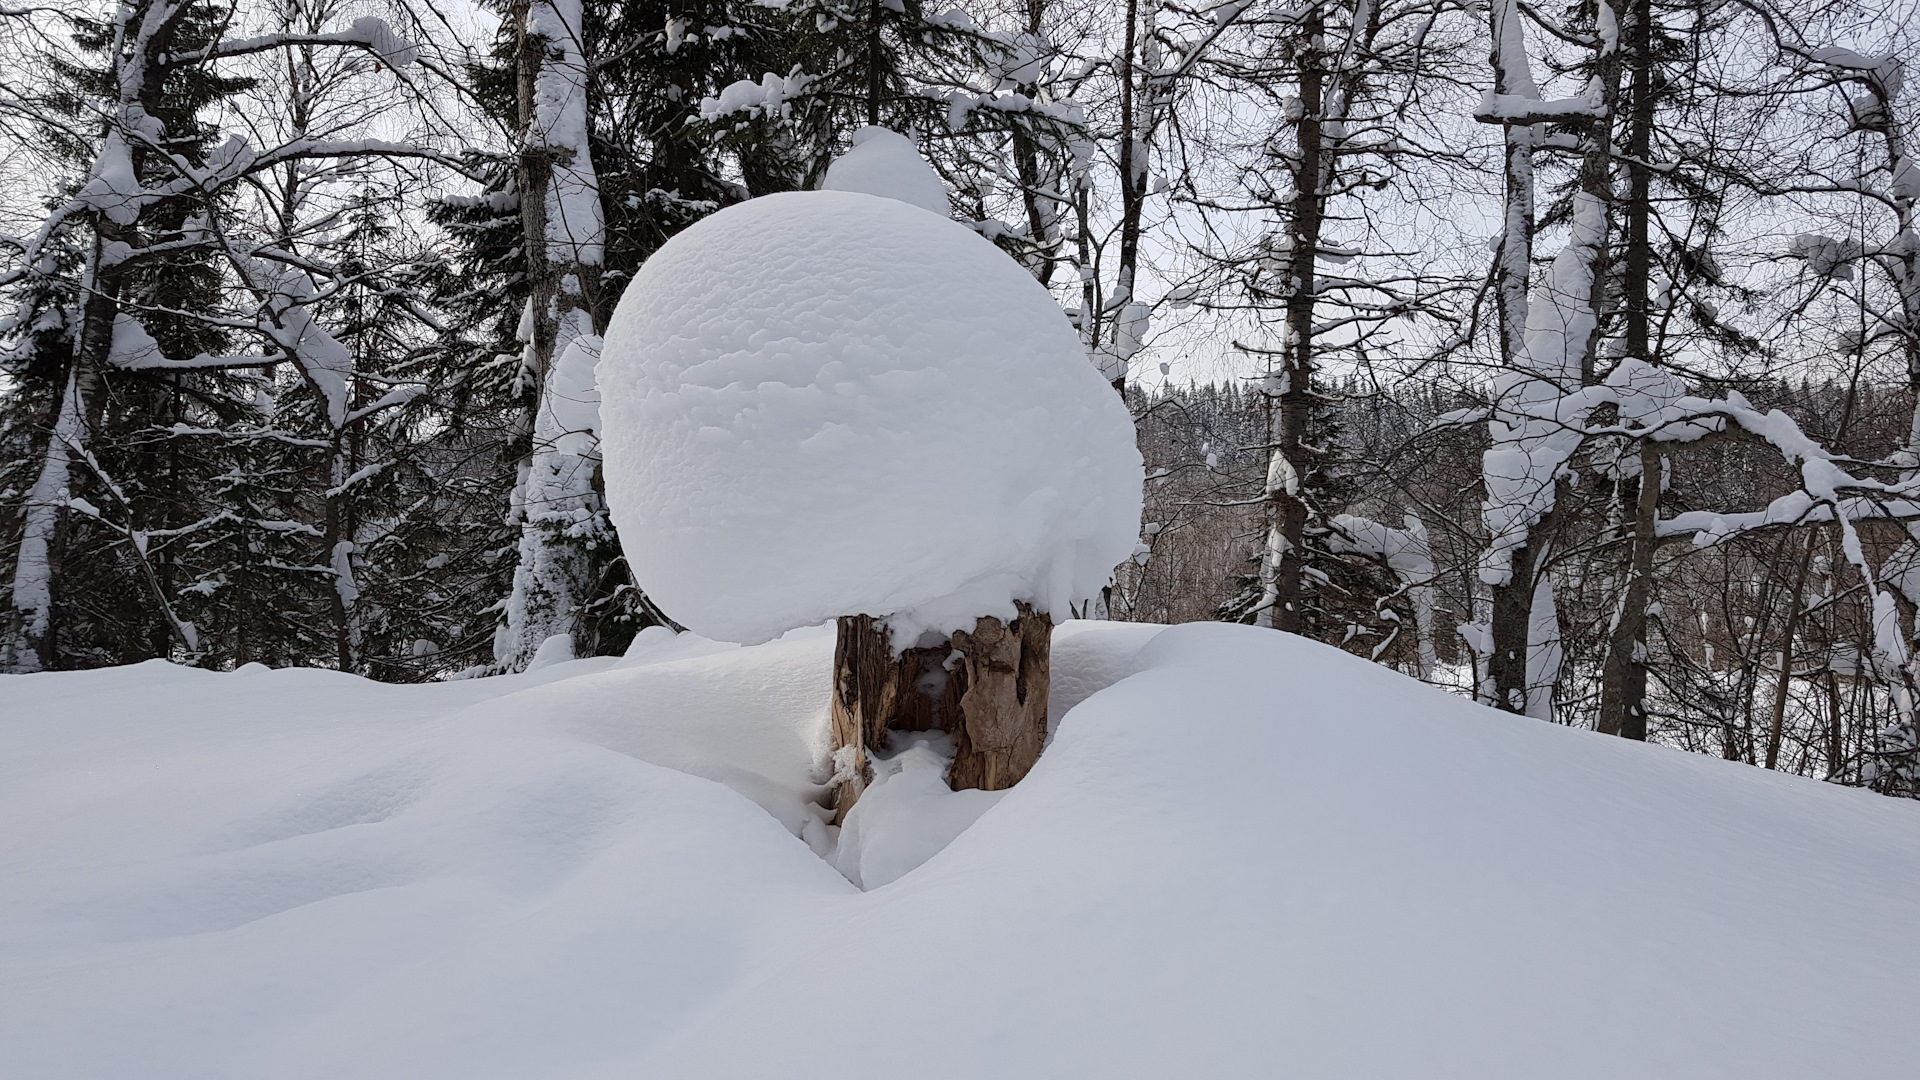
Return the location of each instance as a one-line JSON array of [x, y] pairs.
[[886, 163], [826, 403]]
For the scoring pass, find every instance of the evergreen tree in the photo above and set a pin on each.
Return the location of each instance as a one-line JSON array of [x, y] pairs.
[[148, 496], [126, 114]]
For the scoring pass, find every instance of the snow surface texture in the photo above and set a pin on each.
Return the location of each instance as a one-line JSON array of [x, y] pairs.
[[1252, 856], [856, 407], [886, 163], [908, 813]]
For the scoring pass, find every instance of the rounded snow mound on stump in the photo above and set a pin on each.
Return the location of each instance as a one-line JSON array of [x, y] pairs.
[[821, 403]]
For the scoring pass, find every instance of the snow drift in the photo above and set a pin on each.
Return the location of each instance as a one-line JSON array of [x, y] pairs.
[[827, 403], [1243, 855]]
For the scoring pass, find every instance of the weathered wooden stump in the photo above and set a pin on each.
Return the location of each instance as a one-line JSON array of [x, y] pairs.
[[986, 687], [1003, 700]]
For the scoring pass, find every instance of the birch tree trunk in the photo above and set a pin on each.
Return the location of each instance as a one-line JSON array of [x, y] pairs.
[[1796, 606]]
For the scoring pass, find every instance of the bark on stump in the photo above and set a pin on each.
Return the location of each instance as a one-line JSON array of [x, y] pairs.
[[986, 687]]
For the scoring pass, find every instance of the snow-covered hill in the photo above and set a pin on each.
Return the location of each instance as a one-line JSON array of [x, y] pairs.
[[1248, 856]]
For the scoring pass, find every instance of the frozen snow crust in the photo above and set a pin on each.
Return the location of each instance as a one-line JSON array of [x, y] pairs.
[[829, 403], [1243, 855]]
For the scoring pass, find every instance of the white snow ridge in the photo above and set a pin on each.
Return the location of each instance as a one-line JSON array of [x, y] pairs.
[[828, 403]]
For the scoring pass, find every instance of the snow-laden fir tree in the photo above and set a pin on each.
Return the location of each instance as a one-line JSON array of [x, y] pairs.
[[126, 108], [142, 492]]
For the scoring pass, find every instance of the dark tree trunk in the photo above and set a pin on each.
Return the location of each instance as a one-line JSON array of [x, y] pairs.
[[1295, 405], [876, 64], [1623, 687], [1623, 678], [1512, 626], [1026, 159], [1783, 685], [1133, 189]]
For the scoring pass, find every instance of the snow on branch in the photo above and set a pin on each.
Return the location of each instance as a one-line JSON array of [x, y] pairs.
[[367, 32], [399, 395], [1653, 406], [1886, 70], [1826, 256], [286, 296], [768, 97], [286, 438], [1409, 554], [365, 472], [1525, 109]]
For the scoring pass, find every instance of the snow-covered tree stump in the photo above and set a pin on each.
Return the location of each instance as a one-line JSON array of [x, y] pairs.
[[986, 687], [808, 359]]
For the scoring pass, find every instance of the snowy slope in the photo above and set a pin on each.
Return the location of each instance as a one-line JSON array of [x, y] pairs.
[[1248, 856]]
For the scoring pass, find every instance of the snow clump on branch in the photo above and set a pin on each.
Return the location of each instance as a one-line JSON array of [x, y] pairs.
[[828, 403], [886, 163]]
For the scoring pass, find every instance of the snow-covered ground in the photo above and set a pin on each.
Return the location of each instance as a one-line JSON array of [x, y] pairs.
[[1243, 855]]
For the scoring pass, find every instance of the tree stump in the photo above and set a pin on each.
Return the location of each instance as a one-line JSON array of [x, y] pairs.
[[866, 680], [987, 688], [1003, 702]]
